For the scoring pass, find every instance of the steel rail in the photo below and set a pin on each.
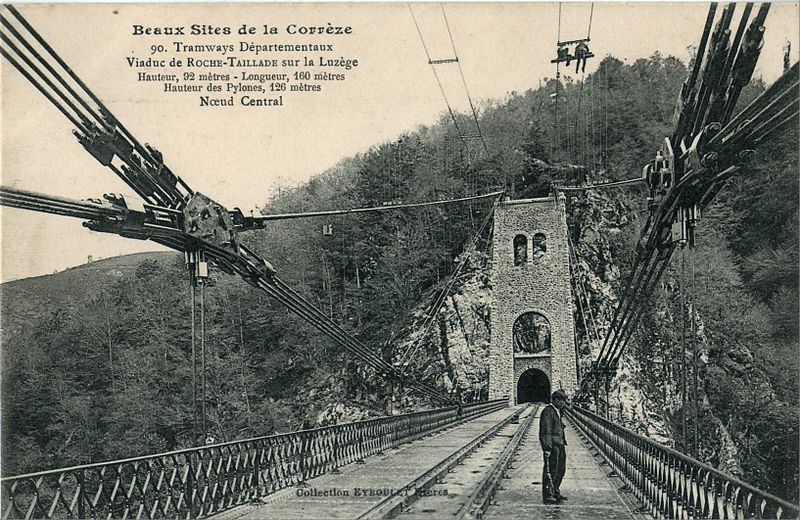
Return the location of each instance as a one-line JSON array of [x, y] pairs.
[[481, 498], [407, 494]]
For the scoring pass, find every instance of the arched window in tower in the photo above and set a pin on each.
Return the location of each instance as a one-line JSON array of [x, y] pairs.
[[520, 249], [539, 245], [531, 334]]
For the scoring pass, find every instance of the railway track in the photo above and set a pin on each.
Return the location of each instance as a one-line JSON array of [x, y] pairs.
[[461, 486]]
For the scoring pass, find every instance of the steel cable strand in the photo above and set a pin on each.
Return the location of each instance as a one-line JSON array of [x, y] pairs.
[[688, 94], [284, 294], [40, 88], [445, 290], [639, 304], [317, 319], [464, 82], [583, 314], [717, 110], [720, 87], [786, 82], [745, 64], [645, 297], [290, 299], [283, 216], [142, 150], [91, 209], [282, 286], [38, 71], [579, 268], [435, 74], [624, 304], [85, 123], [623, 296], [54, 73], [719, 43]]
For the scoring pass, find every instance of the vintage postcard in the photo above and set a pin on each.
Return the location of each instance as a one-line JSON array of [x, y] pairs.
[[358, 260]]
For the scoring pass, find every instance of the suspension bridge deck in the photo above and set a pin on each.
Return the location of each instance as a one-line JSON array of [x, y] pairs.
[[453, 474], [590, 492]]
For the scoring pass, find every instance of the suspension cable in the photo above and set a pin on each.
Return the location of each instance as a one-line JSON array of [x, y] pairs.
[[695, 445], [405, 358], [393, 207], [591, 15], [683, 348], [435, 74], [464, 82], [582, 287]]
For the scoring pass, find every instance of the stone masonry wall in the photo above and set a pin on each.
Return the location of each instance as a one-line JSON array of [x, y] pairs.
[[540, 285]]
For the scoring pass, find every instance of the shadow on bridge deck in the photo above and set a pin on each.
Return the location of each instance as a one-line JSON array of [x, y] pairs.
[[360, 490]]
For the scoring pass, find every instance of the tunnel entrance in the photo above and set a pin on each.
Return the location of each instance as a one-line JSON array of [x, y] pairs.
[[533, 387]]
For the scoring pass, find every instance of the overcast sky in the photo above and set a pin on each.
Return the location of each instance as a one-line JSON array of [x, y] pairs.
[[237, 156]]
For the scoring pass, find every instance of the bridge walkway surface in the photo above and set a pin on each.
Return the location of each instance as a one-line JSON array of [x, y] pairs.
[[590, 491], [447, 475]]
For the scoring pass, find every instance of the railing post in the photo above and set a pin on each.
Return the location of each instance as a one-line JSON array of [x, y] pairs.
[[256, 473], [189, 487], [81, 493]]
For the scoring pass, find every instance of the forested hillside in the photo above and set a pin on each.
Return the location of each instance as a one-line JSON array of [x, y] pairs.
[[106, 373]]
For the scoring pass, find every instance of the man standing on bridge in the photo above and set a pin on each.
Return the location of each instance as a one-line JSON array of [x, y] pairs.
[[551, 437]]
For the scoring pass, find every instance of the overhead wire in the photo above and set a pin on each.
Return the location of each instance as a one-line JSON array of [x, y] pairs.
[[406, 357], [435, 74], [89, 118], [392, 207], [464, 82], [773, 107]]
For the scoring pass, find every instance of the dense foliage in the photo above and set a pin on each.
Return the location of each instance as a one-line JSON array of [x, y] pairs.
[[106, 372]]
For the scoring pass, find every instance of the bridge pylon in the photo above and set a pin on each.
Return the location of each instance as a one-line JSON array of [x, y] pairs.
[[532, 350]]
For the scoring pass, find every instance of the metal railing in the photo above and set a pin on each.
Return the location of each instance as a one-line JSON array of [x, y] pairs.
[[672, 485], [196, 482]]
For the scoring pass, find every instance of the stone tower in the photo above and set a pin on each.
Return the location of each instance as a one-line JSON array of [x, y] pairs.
[[532, 352]]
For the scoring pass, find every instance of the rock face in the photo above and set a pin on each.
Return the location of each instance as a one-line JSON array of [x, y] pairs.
[[457, 337], [603, 229]]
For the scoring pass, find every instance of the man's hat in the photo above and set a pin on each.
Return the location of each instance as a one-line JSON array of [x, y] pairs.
[[558, 394]]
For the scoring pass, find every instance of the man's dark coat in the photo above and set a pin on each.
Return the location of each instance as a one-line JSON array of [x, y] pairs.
[[551, 436], [551, 429]]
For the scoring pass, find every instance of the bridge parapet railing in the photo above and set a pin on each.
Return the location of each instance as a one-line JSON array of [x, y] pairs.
[[673, 485], [196, 482]]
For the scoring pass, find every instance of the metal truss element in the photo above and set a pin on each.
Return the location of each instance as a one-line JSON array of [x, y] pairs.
[[197, 482], [672, 485]]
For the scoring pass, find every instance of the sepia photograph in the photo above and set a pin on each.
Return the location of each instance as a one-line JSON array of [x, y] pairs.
[[416, 260]]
